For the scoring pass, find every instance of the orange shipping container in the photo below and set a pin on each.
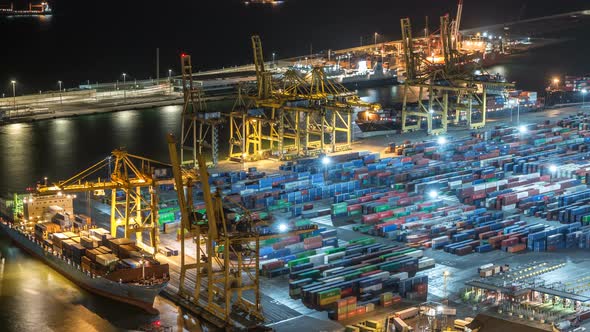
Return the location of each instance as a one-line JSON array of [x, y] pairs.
[[517, 248]]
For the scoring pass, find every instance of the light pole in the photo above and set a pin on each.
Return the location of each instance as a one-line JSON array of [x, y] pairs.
[[170, 79], [273, 57], [13, 95], [142, 267], [376, 34], [584, 91], [124, 89], [446, 275], [60, 100], [326, 161], [517, 111], [556, 82]]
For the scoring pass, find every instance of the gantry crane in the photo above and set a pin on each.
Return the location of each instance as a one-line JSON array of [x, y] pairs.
[[294, 116], [197, 122], [452, 88], [127, 174], [456, 25], [227, 253]]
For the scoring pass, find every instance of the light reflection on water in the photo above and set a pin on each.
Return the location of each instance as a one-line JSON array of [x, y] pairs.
[[34, 297]]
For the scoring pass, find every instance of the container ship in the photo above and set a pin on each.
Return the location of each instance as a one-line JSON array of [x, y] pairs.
[[264, 2], [377, 123], [90, 257], [360, 79], [41, 9]]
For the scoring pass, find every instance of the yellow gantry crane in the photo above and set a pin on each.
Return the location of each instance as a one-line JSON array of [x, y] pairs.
[[226, 261], [293, 116], [200, 127], [130, 175], [442, 91]]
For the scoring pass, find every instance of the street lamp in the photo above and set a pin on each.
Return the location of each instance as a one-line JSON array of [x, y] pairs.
[[124, 89], [556, 82], [142, 261], [283, 228], [584, 91], [446, 275], [273, 57], [13, 82], [326, 161], [376, 34], [60, 100], [517, 111]]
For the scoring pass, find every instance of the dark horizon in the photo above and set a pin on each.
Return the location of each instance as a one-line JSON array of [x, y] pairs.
[[83, 41]]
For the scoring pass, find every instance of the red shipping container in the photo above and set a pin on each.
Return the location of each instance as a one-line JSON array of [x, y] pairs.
[[509, 242], [385, 214], [370, 218]]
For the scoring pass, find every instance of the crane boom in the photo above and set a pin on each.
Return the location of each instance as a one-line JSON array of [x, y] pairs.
[[129, 174]]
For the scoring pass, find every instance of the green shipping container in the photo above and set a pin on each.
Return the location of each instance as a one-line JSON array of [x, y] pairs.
[[305, 254], [329, 293], [382, 208], [302, 222], [334, 250], [298, 261]]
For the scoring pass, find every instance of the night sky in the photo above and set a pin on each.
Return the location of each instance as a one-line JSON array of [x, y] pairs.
[[98, 40]]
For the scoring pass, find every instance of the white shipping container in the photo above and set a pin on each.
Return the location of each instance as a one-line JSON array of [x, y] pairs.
[[372, 288], [329, 271], [426, 263], [408, 313], [261, 264], [296, 247], [508, 207], [323, 249], [485, 267], [401, 275], [332, 257], [415, 254], [440, 239], [317, 259], [381, 275], [335, 279]]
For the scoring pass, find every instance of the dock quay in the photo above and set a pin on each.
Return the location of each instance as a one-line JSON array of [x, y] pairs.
[[281, 311]]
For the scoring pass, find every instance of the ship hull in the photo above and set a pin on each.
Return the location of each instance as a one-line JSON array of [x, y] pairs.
[[23, 14], [368, 126], [138, 296], [369, 83]]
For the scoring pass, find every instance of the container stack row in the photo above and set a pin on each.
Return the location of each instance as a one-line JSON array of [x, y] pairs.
[[372, 273]]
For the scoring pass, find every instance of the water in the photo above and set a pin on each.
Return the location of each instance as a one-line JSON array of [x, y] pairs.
[[33, 297], [73, 47], [98, 41]]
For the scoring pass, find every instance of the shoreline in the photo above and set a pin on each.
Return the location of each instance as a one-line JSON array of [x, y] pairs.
[[84, 110]]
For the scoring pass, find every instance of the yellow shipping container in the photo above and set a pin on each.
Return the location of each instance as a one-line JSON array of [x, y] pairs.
[[329, 300]]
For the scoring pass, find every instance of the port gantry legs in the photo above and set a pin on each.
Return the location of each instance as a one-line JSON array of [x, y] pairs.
[[136, 214], [227, 259], [197, 122], [298, 116]]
